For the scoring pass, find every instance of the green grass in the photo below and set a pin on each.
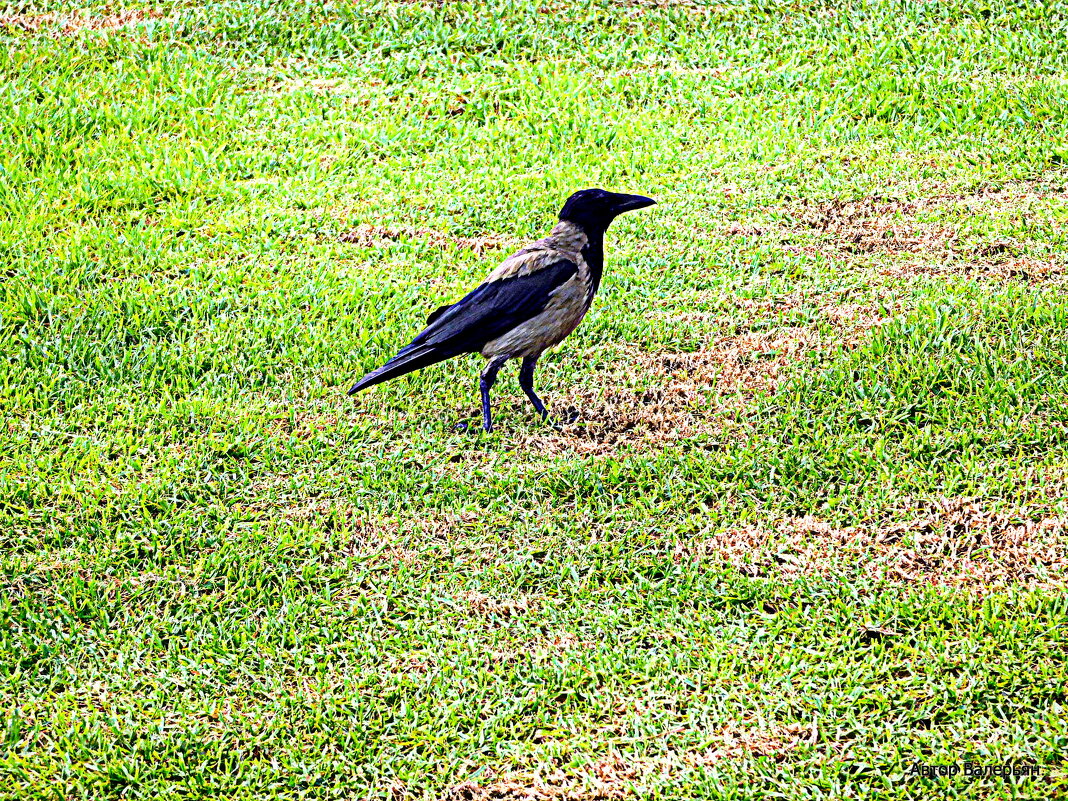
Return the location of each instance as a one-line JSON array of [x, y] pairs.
[[224, 578]]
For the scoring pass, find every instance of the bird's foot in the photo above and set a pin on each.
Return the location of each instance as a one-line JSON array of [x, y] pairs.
[[572, 415]]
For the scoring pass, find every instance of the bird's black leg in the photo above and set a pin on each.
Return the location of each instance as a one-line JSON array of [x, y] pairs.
[[489, 375], [526, 382]]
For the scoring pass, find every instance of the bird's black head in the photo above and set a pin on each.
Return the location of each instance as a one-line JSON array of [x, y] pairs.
[[593, 210]]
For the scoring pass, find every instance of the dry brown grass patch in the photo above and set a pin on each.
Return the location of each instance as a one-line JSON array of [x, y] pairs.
[[691, 6], [321, 86], [739, 367], [869, 225], [540, 650], [371, 235], [690, 393], [950, 542], [486, 606], [616, 776], [1024, 268], [733, 742], [74, 23], [1013, 198], [874, 225], [608, 779], [735, 228]]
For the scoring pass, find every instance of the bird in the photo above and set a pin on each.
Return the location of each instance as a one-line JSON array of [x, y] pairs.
[[528, 304]]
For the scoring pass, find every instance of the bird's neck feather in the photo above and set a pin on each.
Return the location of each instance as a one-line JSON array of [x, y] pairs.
[[568, 237], [573, 238], [593, 253]]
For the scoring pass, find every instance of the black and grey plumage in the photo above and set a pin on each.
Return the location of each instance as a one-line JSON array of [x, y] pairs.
[[530, 303]]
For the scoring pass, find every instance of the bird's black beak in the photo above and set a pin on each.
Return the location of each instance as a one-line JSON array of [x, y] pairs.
[[632, 202]]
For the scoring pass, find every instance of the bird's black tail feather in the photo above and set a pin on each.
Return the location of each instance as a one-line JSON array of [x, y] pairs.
[[408, 360]]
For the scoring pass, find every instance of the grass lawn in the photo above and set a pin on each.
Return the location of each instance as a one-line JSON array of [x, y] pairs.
[[804, 525]]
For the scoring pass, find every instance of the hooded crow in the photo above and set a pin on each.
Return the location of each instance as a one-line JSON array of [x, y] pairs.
[[530, 303]]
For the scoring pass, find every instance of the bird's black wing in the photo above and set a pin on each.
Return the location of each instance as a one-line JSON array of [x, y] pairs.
[[440, 310], [496, 307], [492, 309]]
